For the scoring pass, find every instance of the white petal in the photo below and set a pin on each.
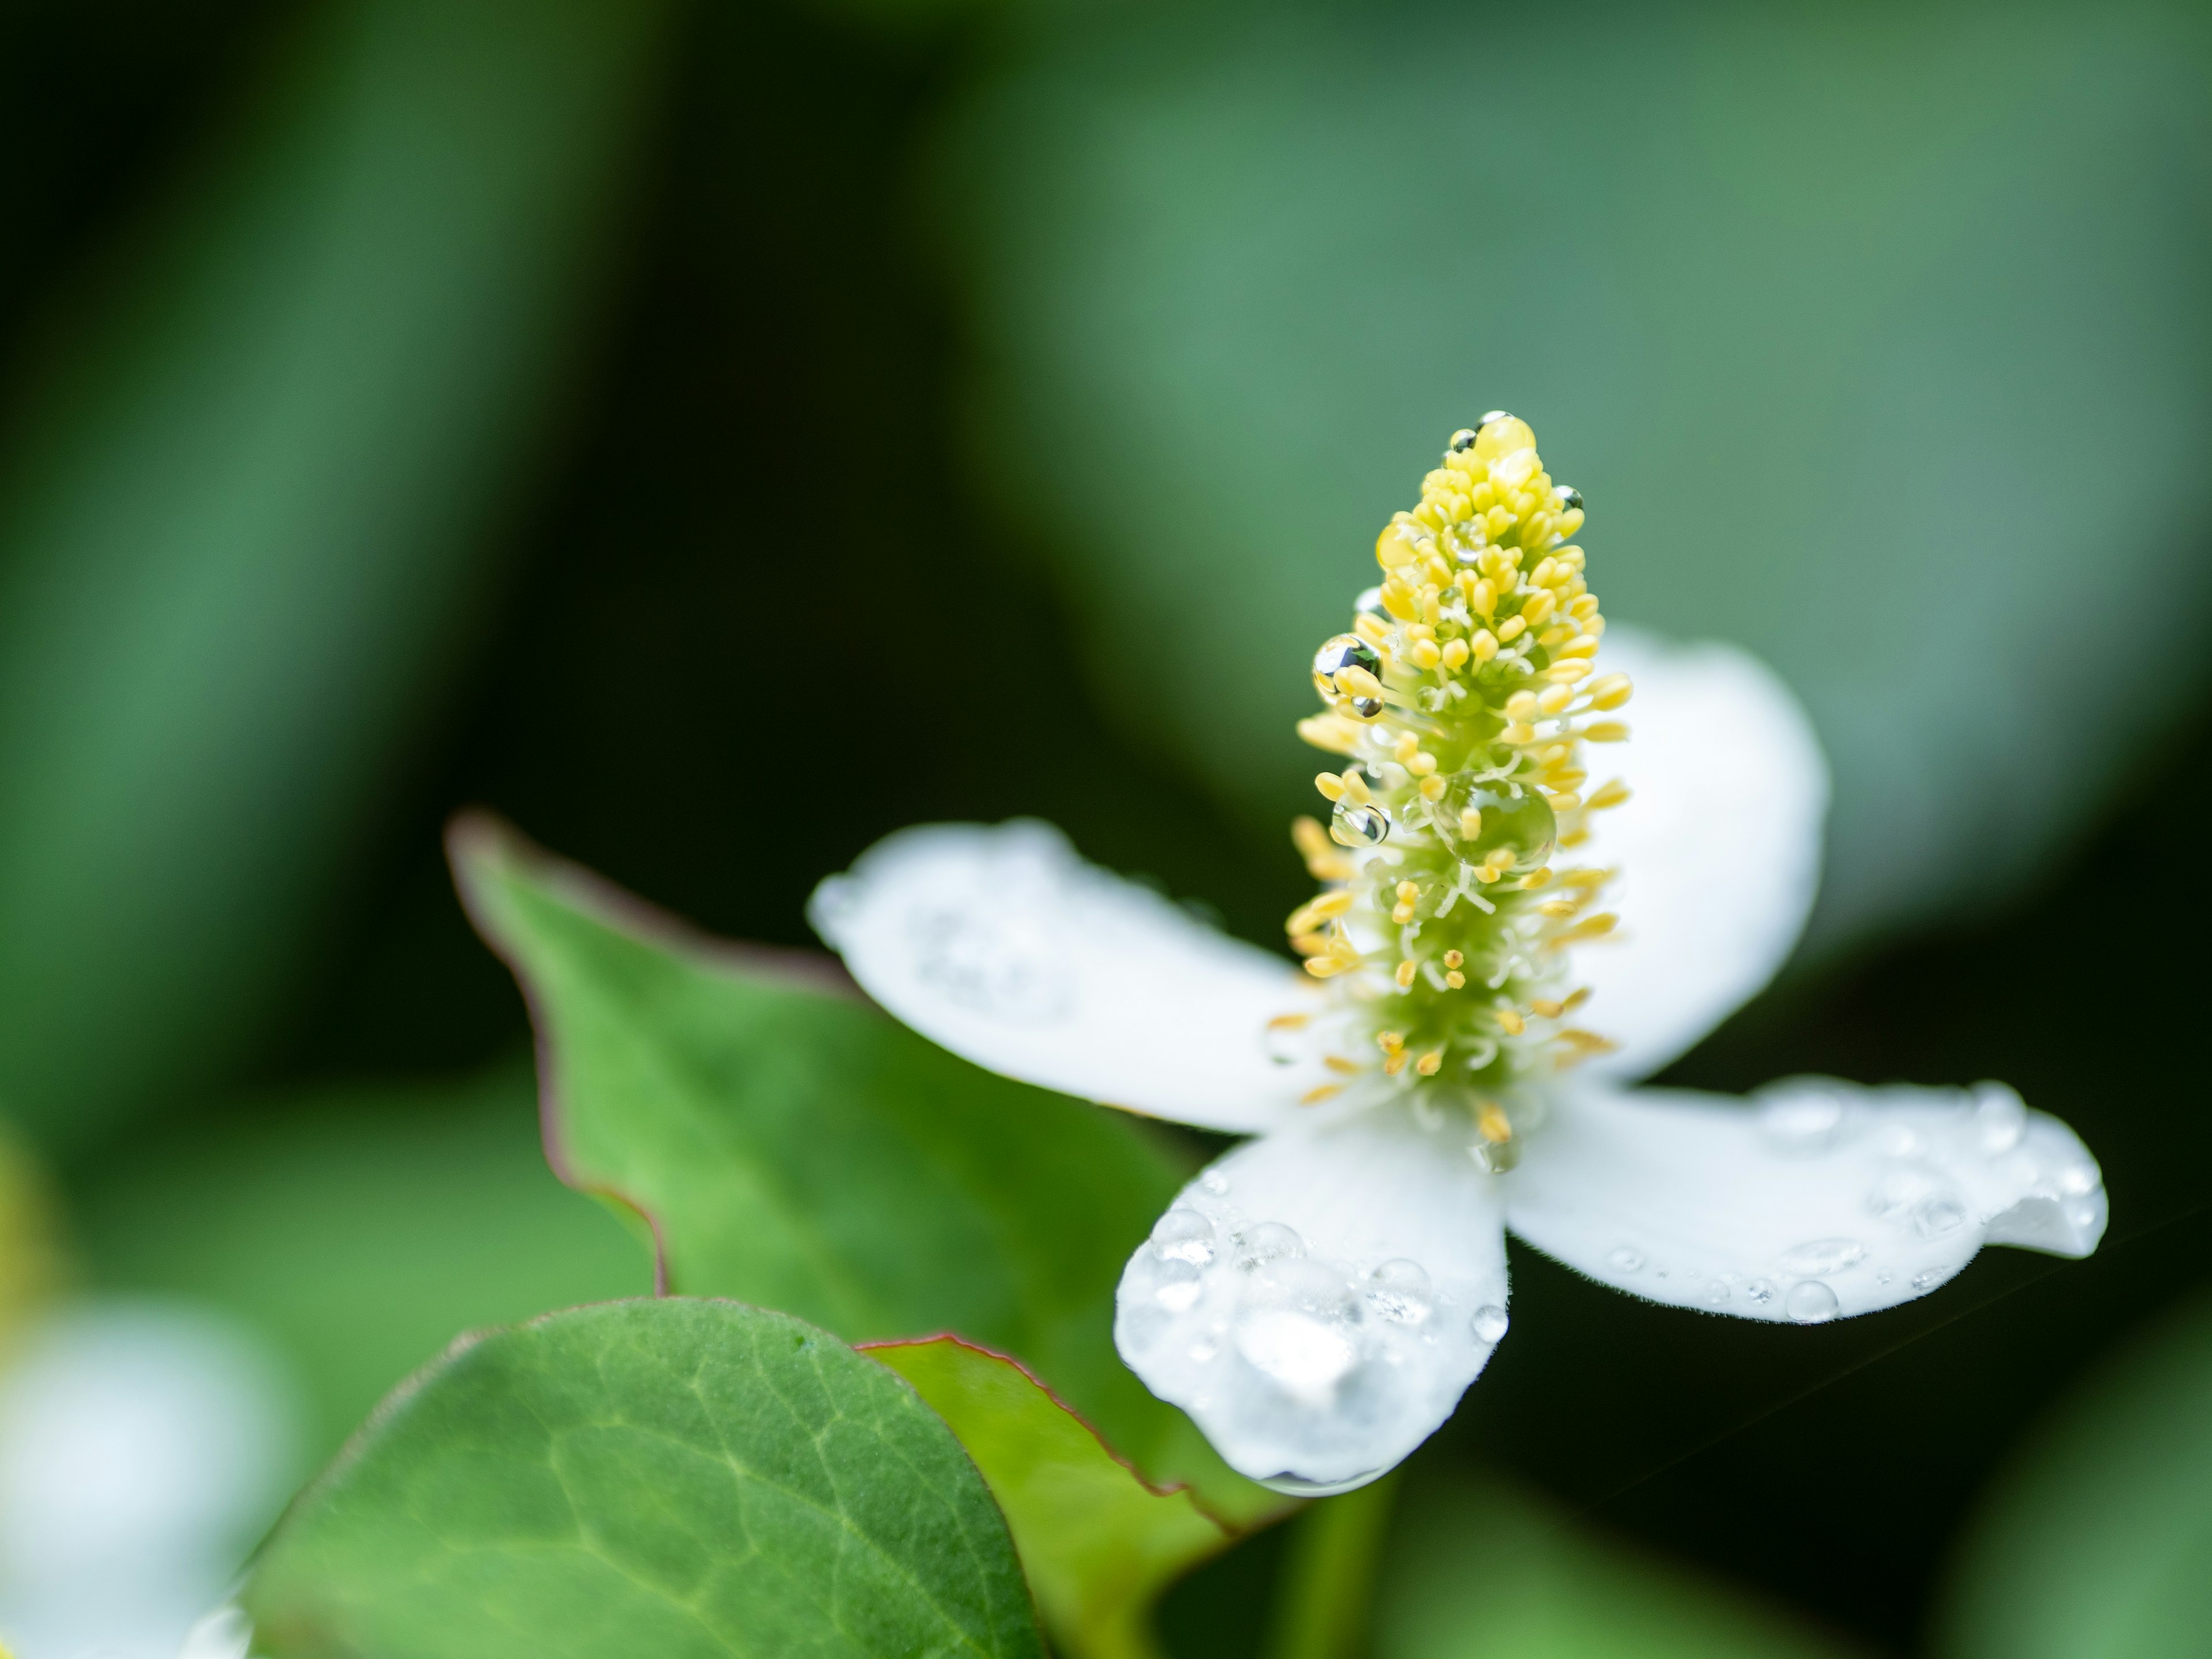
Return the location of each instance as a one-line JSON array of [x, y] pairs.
[[1319, 1299], [1718, 848], [1812, 1200], [1003, 946]]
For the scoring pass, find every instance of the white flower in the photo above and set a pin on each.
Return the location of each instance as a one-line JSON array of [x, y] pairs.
[[1319, 1298]]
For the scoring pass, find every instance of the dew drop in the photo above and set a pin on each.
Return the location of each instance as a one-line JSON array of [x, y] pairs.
[[1717, 1292], [1463, 440], [1370, 604], [1800, 1124], [1358, 826], [1810, 1304], [2077, 1179], [1624, 1260], [1215, 1182], [1297, 1485], [1760, 1291], [1178, 1285], [1933, 1218], [1494, 414], [1183, 1235], [1203, 1351], [1489, 1322], [1822, 1255], [1929, 1278], [1569, 497], [1266, 1241], [1344, 651], [1999, 1117], [1398, 1291]]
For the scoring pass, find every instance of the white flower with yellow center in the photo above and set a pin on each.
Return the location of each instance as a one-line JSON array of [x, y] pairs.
[[1319, 1298]]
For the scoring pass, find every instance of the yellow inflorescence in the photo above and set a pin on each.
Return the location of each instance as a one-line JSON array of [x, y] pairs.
[[1461, 699]]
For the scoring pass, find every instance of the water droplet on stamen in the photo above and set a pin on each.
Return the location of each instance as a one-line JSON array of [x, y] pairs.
[[1344, 651], [1822, 1255], [1183, 1235], [1569, 497], [1810, 1304], [1463, 440], [1358, 826], [1489, 1322], [1624, 1260]]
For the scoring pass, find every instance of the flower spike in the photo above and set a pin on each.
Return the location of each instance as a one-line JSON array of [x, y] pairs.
[[1462, 696]]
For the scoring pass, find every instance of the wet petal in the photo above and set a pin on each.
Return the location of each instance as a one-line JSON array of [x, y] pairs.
[[1005, 946], [1812, 1200], [1319, 1300], [1718, 848]]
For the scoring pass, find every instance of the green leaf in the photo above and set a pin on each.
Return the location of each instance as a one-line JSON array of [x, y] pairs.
[[1480, 1570], [249, 513], [2098, 1545], [674, 1478], [1815, 305], [357, 1228], [794, 1148], [1097, 1543]]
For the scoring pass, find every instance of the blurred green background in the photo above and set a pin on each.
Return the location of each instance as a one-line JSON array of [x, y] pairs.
[[717, 434]]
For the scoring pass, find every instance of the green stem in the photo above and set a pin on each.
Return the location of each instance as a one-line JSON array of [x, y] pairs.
[[1327, 1579], [1124, 1634]]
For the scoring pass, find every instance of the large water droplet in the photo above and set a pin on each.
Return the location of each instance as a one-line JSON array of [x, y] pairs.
[[1296, 1486], [1370, 604], [1358, 826], [1184, 1235], [1810, 1304], [1344, 651], [1307, 1356], [1626, 1261], [2001, 1118], [1523, 822], [1489, 1322], [1823, 1256], [1265, 1242]]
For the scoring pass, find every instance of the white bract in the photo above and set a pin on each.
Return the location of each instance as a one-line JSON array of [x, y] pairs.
[[1319, 1298]]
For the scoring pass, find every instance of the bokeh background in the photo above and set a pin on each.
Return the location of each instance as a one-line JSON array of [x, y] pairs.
[[715, 433]]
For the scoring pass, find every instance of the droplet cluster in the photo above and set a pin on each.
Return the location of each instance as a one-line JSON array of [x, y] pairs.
[[1460, 702]]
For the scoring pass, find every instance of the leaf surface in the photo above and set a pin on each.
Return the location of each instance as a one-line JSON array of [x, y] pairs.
[[684, 1479], [1097, 1543]]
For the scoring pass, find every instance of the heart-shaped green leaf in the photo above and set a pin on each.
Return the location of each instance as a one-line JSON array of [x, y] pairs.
[[687, 1480], [1098, 1544], [793, 1146]]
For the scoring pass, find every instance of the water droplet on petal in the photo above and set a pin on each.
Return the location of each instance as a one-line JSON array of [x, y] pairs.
[[1801, 1124], [1352, 825], [1760, 1291], [1489, 1322], [1929, 1278], [1215, 1182], [1717, 1292], [1398, 1291], [1266, 1241], [1822, 1255], [1297, 1486], [1177, 1286], [1183, 1235], [2076, 1179], [1624, 1260], [1936, 1216], [2001, 1118], [1205, 1350], [1810, 1304]]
